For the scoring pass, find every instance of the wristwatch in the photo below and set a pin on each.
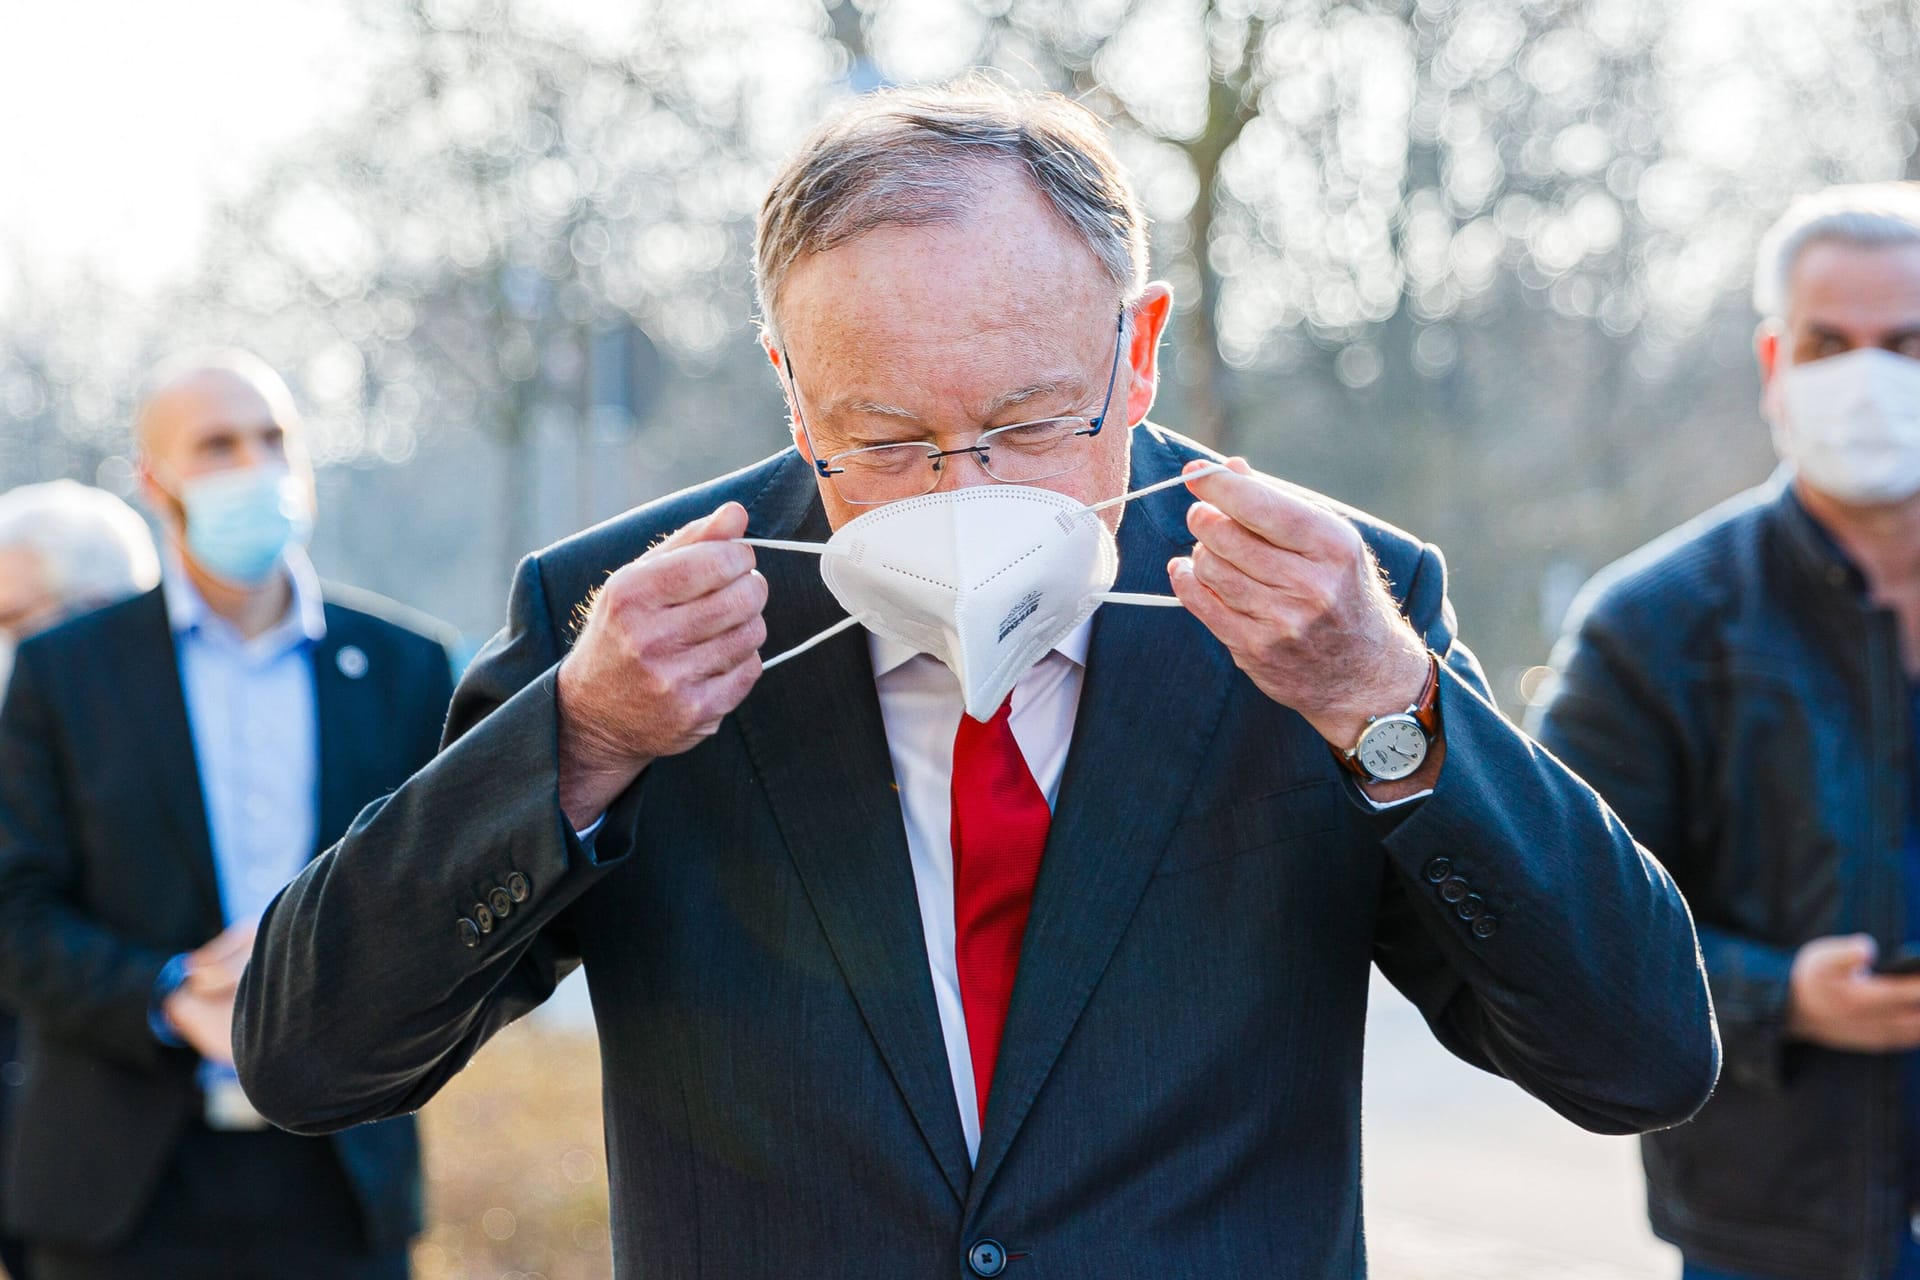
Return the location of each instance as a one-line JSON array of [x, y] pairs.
[[1395, 746]]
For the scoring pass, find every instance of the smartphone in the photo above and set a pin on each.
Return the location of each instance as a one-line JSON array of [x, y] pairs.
[[1900, 962]]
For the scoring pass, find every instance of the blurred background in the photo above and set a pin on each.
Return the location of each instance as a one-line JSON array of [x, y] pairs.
[[1479, 266]]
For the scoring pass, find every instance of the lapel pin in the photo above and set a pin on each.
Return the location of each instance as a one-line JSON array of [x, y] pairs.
[[352, 661]]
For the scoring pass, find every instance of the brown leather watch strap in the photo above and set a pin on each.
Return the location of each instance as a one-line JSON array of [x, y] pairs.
[[1425, 710]]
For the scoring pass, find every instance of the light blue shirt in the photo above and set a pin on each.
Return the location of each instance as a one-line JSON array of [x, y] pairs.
[[254, 716], [256, 736]]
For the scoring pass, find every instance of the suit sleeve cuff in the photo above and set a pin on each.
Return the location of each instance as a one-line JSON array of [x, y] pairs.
[[172, 975]]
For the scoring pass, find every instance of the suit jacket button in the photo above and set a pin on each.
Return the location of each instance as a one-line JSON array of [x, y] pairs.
[[987, 1258], [1471, 907], [1485, 927], [1453, 889], [483, 917], [469, 933], [1437, 869], [501, 902], [519, 888]]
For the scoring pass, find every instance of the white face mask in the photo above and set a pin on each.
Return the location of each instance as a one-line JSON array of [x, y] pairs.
[[987, 579], [1850, 424]]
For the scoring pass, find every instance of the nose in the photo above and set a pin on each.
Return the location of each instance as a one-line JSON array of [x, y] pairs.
[[257, 449], [960, 469]]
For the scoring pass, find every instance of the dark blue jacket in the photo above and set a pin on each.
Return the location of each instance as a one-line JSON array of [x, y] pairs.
[[106, 870], [1741, 705], [1178, 1088]]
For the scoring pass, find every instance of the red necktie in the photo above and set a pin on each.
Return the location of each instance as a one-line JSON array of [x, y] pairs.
[[999, 828]]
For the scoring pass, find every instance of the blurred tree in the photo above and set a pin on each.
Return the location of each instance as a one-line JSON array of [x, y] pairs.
[[1461, 258], [1476, 264], [517, 188], [70, 350]]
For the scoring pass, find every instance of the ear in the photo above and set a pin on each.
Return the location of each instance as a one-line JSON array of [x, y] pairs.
[[162, 503], [1150, 315], [777, 357], [1766, 352], [1766, 349]]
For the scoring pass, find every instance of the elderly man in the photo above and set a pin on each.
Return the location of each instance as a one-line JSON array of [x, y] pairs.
[[1005, 936], [166, 765], [64, 549], [1743, 692]]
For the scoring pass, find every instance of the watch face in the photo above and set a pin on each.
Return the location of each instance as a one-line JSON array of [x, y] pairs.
[[1392, 747]]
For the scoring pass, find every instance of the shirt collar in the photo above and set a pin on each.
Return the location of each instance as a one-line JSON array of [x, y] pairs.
[[889, 654], [188, 610], [1812, 544]]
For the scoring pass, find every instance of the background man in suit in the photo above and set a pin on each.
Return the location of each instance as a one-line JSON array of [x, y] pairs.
[[64, 549], [1746, 693], [1074, 988], [165, 765]]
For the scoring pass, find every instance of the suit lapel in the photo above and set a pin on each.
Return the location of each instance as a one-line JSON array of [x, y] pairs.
[[1154, 687], [346, 720], [157, 705], [814, 732]]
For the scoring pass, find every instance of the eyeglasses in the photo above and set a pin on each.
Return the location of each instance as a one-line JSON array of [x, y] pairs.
[[1020, 453]]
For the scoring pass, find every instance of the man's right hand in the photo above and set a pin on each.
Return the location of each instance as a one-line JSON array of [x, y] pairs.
[[205, 1022], [214, 968], [671, 645], [1837, 1000]]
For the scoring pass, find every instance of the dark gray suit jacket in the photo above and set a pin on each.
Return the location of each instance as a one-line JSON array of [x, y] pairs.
[[106, 867], [1178, 1090]]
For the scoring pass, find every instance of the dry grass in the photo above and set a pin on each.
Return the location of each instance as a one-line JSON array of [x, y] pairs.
[[516, 1164]]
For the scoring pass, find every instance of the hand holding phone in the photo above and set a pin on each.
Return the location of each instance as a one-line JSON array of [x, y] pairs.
[[1899, 962]]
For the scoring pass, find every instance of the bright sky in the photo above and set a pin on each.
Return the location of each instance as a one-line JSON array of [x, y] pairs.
[[124, 119]]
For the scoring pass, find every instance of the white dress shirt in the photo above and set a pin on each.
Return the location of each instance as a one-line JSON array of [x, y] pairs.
[[921, 707]]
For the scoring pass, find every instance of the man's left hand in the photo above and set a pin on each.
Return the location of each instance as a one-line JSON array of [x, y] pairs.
[[1294, 593]]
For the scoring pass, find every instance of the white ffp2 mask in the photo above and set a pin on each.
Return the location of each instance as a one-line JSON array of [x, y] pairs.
[[986, 579], [1851, 424]]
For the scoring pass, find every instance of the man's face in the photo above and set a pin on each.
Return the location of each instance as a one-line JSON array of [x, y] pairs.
[[27, 600], [1843, 297], [940, 333], [209, 421]]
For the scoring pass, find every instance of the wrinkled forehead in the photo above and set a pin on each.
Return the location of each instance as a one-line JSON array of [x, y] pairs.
[[1838, 283], [1007, 267]]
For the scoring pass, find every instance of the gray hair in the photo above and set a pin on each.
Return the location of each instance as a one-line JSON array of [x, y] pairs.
[[1869, 214], [913, 157], [94, 548]]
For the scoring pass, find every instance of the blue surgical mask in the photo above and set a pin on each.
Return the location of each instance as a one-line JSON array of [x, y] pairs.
[[241, 522]]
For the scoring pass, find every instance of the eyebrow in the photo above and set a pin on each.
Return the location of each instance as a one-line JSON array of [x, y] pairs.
[[1903, 333], [1003, 402], [872, 408], [999, 404]]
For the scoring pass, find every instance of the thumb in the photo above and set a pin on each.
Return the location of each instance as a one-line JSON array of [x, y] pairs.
[[1850, 954]]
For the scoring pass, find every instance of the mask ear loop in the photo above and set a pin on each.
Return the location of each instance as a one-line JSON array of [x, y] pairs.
[[811, 548], [1212, 468], [781, 544], [1139, 597], [1105, 597]]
